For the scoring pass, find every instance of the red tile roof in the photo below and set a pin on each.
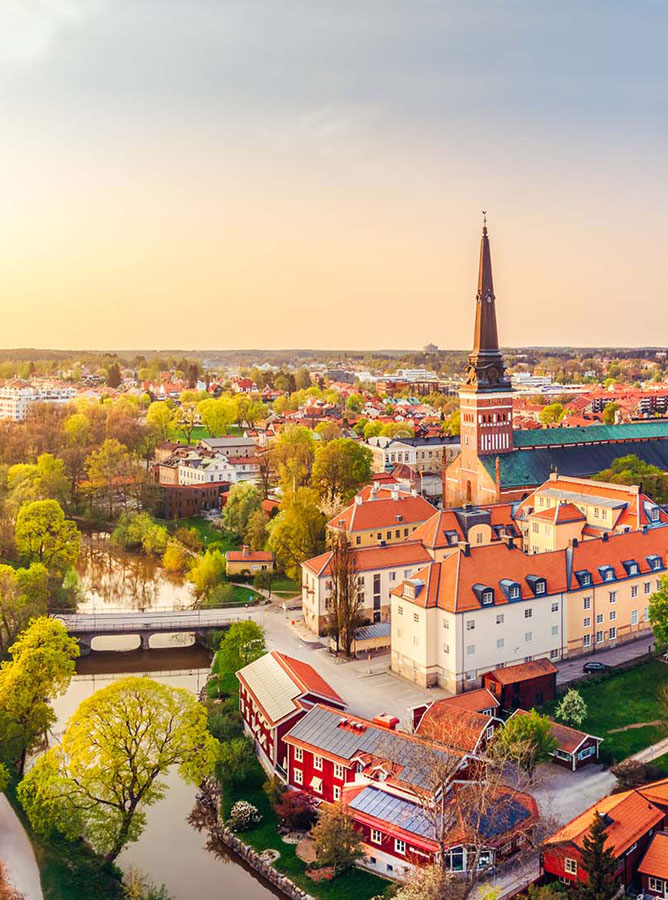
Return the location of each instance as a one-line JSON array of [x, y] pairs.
[[523, 671], [568, 739], [473, 701], [381, 509], [306, 676], [372, 558], [630, 814], [246, 555], [561, 513], [454, 727], [655, 861]]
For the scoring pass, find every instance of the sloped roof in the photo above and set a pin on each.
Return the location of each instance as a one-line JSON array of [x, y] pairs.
[[630, 816], [628, 431], [373, 558], [560, 514], [473, 701], [655, 861], [381, 509], [454, 727], [523, 671], [568, 739]]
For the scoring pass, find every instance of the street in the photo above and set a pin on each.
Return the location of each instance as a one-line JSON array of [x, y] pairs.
[[571, 669]]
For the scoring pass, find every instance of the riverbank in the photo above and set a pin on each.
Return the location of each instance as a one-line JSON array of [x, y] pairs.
[[17, 854]]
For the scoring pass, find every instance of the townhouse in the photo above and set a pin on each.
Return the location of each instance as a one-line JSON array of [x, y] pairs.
[[275, 691], [378, 516], [488, 607], [379, 570]]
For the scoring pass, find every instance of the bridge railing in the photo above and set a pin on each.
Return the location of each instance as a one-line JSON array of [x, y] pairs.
[[85, 622]]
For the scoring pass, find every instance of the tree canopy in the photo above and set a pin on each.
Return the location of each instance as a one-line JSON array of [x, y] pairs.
[[631, 469], [342, 466], [44, 535]]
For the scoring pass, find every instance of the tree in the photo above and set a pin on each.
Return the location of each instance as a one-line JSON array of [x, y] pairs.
[[159, 417], [337, 843], [658, 615], [175, 558], [551, 414], [328, 431], [98, 781], [263, 581], [609, 413], [342, 466], [453, 424], [40, 667], [242, 501], [599, 863], [631, 469], [44, 535], [184, 418], [572, 709], [249, 411], [527, 739], [137, 886], [243, 643], [255, 534], [632, 774], [207, 572], [217, 415], [345, 613], [236, 760], [114, 375], [296, 809], [292, 455], [297, 533], [109, 468], [427, 883], [23, 596], [45, 479], [372, 429]]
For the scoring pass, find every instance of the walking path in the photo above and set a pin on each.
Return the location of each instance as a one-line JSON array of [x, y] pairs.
[[653, 752], [17, 854]]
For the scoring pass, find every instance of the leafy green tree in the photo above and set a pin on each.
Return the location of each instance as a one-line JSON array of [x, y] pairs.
[[658, 615], [337, 843], [249, 411], [292, 455], [599, 863], [184, 418], [137, 886], [345, 613], [23, 596], [397, 430], [236, 760], [631, 469], [298, 532], [255, 534], [175, 558], [44, 535], [109, 468], [4, 780], [527, 738], [243, 643], [40, 667], [45, 479], [341, 468], [328, 431], [609, 413], [551, 414], [159, 417], [572, 709], [453, 423], [217, 415], [355, 402], [263, 581], [114, 375], [98, 782], [243, 500], [207, 572], [372, 429]]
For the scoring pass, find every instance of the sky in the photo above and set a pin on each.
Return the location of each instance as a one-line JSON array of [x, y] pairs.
[[218, 174]]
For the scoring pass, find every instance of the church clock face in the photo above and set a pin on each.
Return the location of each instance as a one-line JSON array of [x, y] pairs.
[[493, 374]]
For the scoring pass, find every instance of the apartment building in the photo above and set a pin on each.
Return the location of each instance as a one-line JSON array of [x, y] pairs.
[[378, 516], [423, 454], [16, 399]]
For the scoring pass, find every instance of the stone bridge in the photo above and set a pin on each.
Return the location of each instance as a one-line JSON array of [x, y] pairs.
[[87, 626]]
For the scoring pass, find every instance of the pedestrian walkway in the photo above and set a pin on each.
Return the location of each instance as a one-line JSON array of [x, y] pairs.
[[17, 854], [653, 752]]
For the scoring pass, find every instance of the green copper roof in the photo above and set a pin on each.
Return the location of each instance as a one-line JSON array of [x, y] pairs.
[[629, 431], [533, 467]]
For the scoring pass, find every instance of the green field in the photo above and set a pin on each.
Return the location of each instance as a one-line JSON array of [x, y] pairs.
[[207, 531], [629, 697], [200, 433]]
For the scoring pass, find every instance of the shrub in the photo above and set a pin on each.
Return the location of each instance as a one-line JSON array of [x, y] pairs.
[[296, 809], [274, 789], [224, 725], [221, 595], [243, 816], [632, 774], [175, 558], [236, 761], [190, 538]]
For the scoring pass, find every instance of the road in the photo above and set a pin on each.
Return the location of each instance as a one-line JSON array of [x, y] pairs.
[[159, 620], [17, 854], [571, 669]]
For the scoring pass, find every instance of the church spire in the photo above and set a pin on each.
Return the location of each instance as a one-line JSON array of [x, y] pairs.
[[485, 370]]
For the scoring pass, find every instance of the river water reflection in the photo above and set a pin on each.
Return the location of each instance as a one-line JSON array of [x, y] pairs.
[[170, 850]]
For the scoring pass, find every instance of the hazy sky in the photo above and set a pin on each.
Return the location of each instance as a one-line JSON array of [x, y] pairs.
[[283, 173]]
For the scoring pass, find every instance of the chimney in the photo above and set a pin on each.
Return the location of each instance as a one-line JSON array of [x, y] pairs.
[[508, 540], [385, 720], [604, 536], [465, 547], [245, 550], [395, 493], [573, 542], [358, 500]]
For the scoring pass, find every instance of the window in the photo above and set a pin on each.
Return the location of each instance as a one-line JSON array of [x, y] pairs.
[[528, 613], [400, 610], [393, 576], [499, 619], [555, 607], [535, 527], [470, 650], [555, 629], [613, 615], [487, 597], [317, 763], [376, 836], [647, 587], [540, 587], [571, 866], [634, 617], [336, 792], [586, 641], [596, 512], [338, 770], [645, 614], [416, 617], [399, 846], [599, 637], [599, 618], [609, 574], [656, 884], [634, 590], [554, 654], [299, 754], [528, 635], [612, 634], [587, 622], [299, 776], [478, 538], [446, 648], [499, 644], [446, 624], [470, 675], [514, 593], [470, 625], [587, 603], [613, 596], [490, 732]]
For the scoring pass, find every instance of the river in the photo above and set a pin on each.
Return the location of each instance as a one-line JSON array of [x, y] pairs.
[[170, 850]]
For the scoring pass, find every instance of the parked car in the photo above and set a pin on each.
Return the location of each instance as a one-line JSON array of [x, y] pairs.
[[595, 667]]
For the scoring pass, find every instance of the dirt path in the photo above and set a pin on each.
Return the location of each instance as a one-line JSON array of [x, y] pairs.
[[17, 854], [635, 725]]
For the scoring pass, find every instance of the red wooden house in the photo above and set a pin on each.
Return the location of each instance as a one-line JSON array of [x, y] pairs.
[[275, 692], [523, 686], [653, 868], [574, 748], [631, 821]]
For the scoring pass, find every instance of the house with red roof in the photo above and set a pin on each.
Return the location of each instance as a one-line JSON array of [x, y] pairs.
[[378, 516], [574, 748], [275, 692], [248, 562], [653, 868]]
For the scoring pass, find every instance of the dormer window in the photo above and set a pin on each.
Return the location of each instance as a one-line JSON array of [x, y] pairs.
[[514, 592], [654, 514], [537, 584], [583, 577], [654, 561], [631, 566], [512, 589], [484, 593], [487, 597]]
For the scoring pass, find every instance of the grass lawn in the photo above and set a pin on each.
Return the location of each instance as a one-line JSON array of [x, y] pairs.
[[70, 871], [285, 585], [630, 697], [208, 532], [200, 433]]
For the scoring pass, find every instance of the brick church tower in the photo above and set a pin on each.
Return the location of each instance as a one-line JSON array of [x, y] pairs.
[[486, 400]]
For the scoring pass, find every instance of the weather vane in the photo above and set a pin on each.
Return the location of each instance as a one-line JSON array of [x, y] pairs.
[[484, 218]]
